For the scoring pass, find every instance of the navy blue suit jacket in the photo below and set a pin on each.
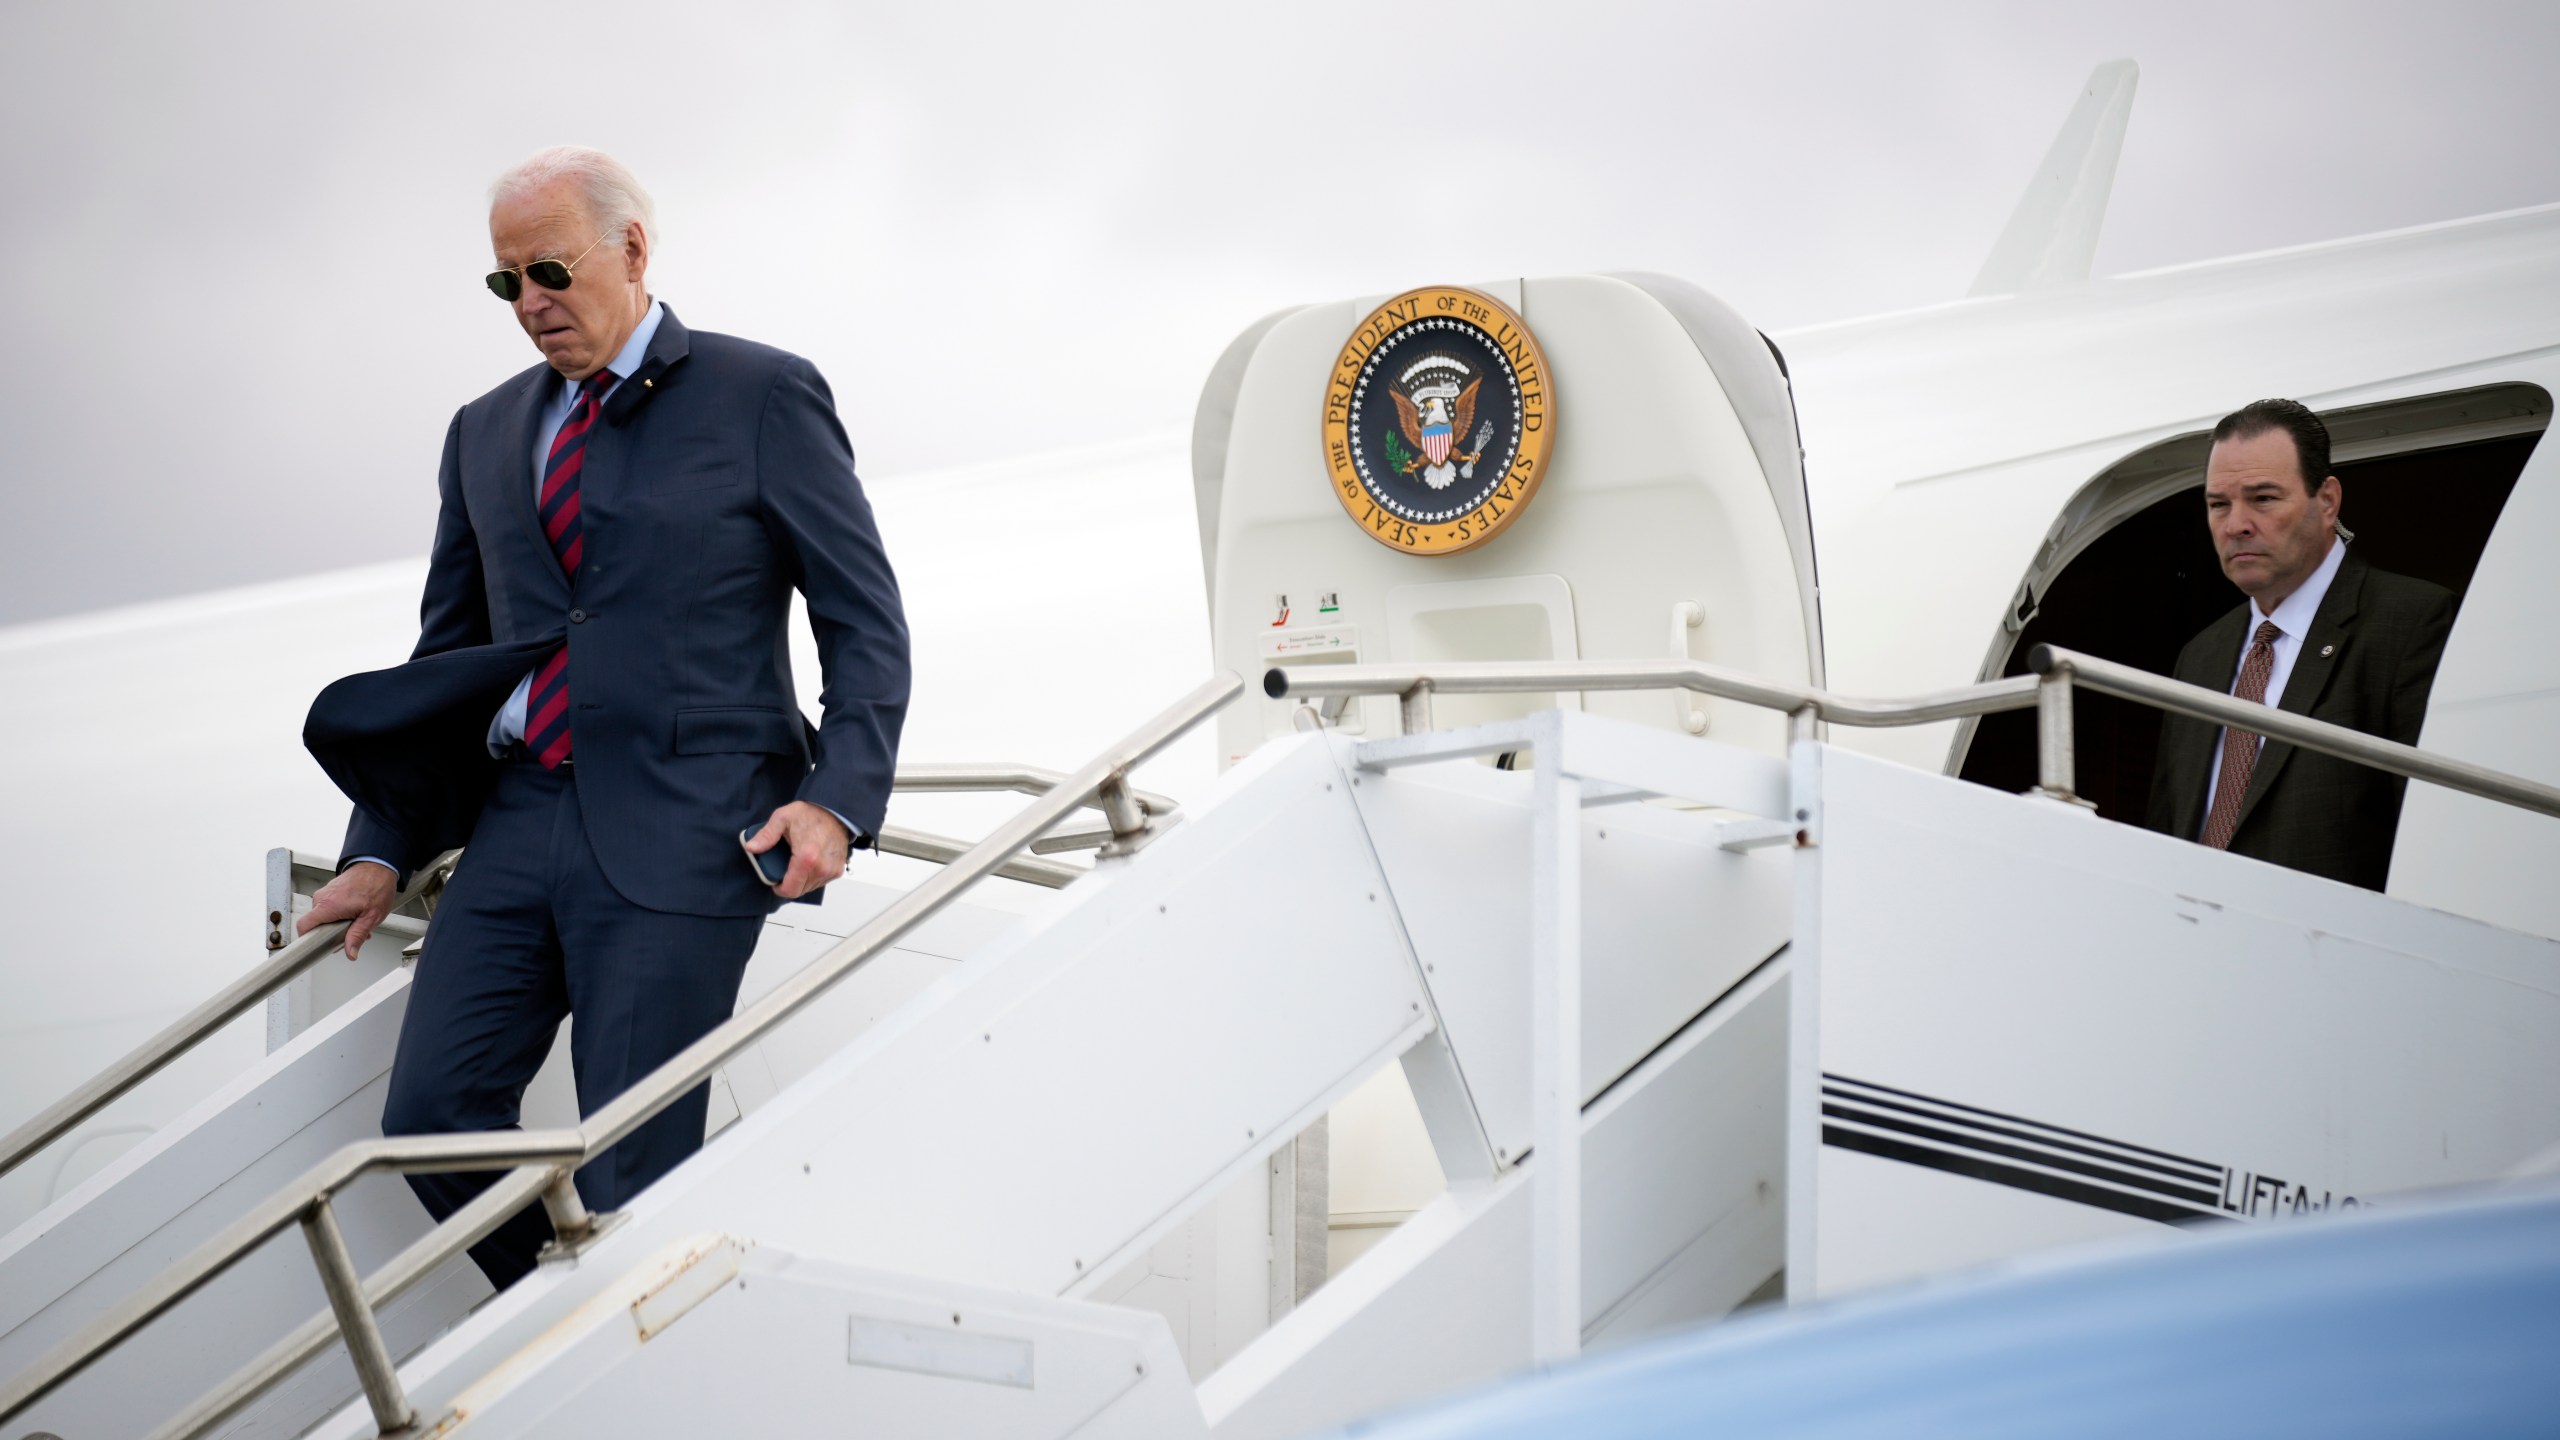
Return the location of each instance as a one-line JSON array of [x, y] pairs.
[[718, 482]]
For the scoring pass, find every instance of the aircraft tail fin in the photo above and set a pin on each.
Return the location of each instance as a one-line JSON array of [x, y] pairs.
[[2053, 233]]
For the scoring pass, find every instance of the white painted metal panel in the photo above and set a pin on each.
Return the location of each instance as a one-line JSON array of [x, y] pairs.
[[322, 1089], [2474, 856], [711, 1337], [2093, 1011], [1062, 1101], [66, 1266], [1670, 919], [1442, 1302], [1209, 1276], [1683, 1204], [798, 934], [1684, 1172], [150, 1187]]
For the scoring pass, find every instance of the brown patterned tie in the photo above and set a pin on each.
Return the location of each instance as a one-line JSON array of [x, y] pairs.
[[2240, 747]]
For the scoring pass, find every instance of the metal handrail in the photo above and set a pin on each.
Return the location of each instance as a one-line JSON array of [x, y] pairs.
[[2048, 689], [283, 966], [189, 1030], [946, 779], [1101, 777], [1414, 684], [542, 1163], [931, 779], [942, 850], [306, 1194], [2109, 677], [464, 1228]]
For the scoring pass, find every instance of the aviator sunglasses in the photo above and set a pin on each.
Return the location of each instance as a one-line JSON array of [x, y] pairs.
[[507, 284]]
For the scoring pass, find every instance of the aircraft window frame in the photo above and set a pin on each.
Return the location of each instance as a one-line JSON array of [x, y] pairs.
[[2383, 430]]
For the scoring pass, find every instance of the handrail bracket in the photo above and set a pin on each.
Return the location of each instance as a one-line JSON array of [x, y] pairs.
[[574, 1228], [1133, 824]]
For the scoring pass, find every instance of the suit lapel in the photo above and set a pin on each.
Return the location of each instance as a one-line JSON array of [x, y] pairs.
[[605, 482], [507, 484], [667, 349], [515, 480], [2323, 647]]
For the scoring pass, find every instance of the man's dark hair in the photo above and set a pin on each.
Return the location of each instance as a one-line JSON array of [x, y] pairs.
[[2310, 437]]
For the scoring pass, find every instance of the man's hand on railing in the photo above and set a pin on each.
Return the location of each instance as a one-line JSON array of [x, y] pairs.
[[362, 894], [819, 843]]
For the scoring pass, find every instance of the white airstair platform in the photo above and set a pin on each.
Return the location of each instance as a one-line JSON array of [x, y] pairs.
[[2028, 1026]]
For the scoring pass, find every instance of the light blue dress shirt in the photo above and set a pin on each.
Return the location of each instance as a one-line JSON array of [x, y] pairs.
[[507, 726]]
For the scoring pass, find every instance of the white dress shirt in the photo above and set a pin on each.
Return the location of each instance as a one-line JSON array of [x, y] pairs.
[[2293, 620]]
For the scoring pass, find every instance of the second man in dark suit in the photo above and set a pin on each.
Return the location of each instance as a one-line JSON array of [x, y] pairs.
[[2323, 634]]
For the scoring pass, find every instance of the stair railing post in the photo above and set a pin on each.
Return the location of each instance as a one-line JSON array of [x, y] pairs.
[[2055, 768], [1555, 1057], [1414, 708], [392, 1412]]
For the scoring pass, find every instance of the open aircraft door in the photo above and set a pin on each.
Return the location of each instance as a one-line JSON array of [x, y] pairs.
[[1627, 484], [1575, 467]]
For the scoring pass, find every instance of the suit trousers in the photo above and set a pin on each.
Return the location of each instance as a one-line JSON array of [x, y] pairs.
[[529, 930]]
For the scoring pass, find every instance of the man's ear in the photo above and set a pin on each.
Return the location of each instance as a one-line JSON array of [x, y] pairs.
[[635, 253], [2330, 497]]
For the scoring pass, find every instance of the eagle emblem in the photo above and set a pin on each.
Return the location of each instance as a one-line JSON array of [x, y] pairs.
[[1461, 451], [1435, 404]]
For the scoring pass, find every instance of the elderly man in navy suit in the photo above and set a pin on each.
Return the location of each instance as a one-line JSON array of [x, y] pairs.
[[601, 696]]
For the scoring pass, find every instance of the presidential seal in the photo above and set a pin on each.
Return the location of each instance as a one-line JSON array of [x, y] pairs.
[[1437, 419]]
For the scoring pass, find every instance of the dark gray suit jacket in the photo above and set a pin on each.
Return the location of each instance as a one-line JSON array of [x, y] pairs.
[[2367, 664]]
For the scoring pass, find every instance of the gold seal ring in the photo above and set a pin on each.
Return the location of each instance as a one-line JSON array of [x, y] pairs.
[[1438, 416]]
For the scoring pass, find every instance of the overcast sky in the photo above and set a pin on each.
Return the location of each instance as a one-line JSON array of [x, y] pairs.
[[242, 242]]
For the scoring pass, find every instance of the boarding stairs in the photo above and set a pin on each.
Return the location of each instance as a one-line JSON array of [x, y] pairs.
[[1684, 1023]]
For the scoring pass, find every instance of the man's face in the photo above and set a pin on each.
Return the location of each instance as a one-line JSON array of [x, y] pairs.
[[2270, 529], [581, 328]]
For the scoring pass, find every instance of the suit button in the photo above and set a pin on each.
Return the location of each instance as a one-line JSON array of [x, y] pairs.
[[577, 617]]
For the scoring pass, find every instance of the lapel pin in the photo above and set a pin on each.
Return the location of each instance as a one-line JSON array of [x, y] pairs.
[[2328, 650], [652, 385]]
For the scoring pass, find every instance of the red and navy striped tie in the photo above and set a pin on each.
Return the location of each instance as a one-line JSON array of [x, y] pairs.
[[546, 726]]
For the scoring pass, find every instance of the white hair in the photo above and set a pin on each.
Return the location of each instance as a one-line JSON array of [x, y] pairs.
[[613, 194]]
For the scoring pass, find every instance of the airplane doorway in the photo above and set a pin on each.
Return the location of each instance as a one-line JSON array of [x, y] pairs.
[[2141, 587]]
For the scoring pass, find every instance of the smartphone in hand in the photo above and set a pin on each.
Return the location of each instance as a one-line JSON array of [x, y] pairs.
[[773, 864]]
